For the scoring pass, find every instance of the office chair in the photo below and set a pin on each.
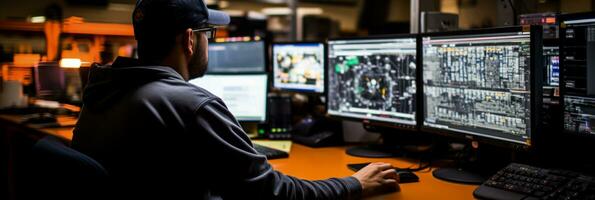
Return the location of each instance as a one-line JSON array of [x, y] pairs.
[[59, 172]]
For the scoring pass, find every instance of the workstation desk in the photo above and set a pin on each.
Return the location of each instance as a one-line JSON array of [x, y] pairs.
[[303, 162]]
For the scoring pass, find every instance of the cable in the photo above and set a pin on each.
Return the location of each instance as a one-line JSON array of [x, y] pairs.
[[420, 168]]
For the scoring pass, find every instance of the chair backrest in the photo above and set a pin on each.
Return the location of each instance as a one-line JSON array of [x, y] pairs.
[[60, 172]]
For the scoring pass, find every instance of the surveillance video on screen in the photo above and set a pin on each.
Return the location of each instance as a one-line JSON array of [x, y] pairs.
[[299, 66]]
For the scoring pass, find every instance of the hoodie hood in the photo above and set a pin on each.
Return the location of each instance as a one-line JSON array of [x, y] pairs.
[[107, 82]]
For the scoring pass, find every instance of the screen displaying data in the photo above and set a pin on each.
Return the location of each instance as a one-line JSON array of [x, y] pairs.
[[244, 95], [237, 57], [551, 56], [479, 85], [373, 79], [578, 50]]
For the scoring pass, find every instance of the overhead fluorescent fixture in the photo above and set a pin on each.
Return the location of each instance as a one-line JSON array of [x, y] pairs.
[[37, 19], [287, 11]]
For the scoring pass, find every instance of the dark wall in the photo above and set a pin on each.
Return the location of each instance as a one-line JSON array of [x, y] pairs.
[[373, 14]]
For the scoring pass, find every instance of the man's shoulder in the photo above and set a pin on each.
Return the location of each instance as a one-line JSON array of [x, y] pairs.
[[178, 93]]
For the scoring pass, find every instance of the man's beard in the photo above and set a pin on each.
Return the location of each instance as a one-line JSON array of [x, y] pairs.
[[197, 66]]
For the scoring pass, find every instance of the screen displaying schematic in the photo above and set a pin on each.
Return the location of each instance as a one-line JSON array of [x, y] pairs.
[[373, 79], [479, 85]]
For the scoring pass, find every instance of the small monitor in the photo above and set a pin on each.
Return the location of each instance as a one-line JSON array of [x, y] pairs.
[[50, 81], [237, 57], [373, 79], [551, 58], [577, 42], [482, 84], [299, 67], [244, 95]]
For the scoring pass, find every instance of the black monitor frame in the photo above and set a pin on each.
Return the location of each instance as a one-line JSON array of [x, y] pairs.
[[265, 61], [562, 18], [375, 123], [536, 76], [271, 58]]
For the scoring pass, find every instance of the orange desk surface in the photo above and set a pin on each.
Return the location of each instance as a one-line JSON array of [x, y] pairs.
[[322, 163]]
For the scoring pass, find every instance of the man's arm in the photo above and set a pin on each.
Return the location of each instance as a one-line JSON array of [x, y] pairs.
[[239, 172]]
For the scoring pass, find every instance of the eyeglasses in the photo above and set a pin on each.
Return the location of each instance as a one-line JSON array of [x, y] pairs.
[[210, 32]]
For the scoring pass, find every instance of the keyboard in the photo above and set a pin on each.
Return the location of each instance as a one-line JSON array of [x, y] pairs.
[[270, 153], [518, 181]]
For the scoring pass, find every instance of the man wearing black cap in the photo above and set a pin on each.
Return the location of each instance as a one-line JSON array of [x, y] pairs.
[[161, 137]]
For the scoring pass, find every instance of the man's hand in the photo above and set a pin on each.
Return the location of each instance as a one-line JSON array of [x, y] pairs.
[[377, 178]]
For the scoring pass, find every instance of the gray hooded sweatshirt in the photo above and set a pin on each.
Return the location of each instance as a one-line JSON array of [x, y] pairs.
[[160, 137]]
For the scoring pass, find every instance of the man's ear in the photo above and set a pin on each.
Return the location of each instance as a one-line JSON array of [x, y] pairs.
[[188, 41]]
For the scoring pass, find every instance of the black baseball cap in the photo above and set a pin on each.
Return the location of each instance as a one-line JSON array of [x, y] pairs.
[[157, 18]]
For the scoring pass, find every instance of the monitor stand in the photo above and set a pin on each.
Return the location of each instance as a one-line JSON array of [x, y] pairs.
[[459, 175], [467, 170], [395, 143]]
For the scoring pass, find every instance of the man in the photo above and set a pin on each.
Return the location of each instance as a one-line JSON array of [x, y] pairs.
[[161, 137]]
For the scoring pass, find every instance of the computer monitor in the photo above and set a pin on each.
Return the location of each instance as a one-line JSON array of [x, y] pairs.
[[551, 59], [299, 66], [483, 84], [237, 57], [244, 95], [577, 90], [49, 81], [373, 79]]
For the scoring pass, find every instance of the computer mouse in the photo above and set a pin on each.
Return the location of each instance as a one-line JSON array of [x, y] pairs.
[[406, 176]]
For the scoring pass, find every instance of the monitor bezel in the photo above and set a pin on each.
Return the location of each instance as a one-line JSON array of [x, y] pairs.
[[294, 90], [265, 57], [394, 125], [267, 90], [536, 67], [562, 19]]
